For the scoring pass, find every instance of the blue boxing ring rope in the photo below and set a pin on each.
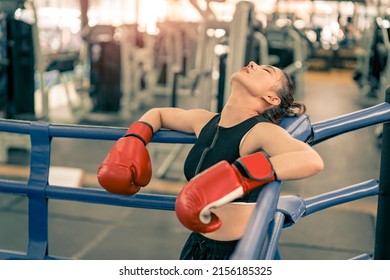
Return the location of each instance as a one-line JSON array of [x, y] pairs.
[[273, 212]]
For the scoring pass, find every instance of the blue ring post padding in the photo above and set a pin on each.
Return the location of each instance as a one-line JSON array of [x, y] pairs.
[[275, 230], [37, 183], [299, 127], [293, 207], [249, 247], [382, 233]]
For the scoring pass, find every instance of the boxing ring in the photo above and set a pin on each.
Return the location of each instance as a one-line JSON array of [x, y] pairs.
[[273, 212]]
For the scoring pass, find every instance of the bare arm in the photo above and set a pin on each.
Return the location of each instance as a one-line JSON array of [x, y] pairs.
[[189, 121], [290, 158]]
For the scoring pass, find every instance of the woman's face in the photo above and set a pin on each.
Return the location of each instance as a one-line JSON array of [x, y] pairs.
[[257, 79]]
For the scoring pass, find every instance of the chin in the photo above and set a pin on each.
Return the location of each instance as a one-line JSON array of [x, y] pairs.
[[235, 76]]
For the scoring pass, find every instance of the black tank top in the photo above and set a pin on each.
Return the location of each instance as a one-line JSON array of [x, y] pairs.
[[216, 143]]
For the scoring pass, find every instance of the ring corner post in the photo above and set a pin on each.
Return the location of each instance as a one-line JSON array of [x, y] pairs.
[[382, 235]]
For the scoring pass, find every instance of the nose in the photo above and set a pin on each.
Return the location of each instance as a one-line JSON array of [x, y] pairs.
[[252, 65]]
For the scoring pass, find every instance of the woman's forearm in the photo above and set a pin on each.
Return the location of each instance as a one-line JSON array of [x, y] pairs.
[[297, 165], [153, 117]]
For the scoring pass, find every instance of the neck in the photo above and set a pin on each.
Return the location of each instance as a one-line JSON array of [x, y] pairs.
[[234, 113]]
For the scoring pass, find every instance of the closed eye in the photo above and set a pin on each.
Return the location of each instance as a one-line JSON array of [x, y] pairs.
[[269, 69]]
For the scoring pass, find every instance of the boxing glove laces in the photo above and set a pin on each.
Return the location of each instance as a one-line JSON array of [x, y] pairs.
[[127, 167], [217, 186]]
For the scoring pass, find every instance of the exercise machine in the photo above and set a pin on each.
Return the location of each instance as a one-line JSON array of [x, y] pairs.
[[18, 59], [373, 72]]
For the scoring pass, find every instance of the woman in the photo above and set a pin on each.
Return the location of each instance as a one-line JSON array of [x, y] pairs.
[[247, 126]]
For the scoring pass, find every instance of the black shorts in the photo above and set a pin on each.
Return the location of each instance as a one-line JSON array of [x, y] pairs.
[[199, 247]]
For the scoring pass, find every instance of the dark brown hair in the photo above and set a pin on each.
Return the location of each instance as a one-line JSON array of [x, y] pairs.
[[288, 106]]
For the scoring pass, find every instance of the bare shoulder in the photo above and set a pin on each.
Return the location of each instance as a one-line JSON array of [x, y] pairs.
[[190, 121], [200, 118], [270, 138], [200, 113], [269, 129]]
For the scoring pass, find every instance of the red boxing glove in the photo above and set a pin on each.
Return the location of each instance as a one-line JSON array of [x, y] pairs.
[[127, 167], [217, 186]]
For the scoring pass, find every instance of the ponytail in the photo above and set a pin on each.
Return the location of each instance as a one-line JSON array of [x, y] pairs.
[[288, 106], [296, 109], [276, 114]]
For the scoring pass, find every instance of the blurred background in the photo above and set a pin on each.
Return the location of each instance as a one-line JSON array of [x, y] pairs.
[[106, 62]]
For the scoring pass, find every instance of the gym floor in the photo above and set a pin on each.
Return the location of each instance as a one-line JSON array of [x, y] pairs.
[[89, 231]]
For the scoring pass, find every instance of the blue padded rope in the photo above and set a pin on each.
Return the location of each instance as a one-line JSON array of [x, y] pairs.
[[356, 120]]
